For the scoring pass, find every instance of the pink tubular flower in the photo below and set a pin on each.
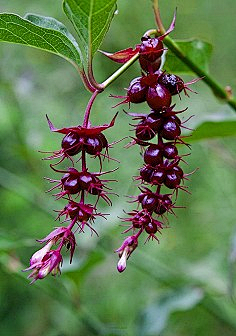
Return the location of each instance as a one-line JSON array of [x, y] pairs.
[[45, 260], [63, 234], [128, 246], [50, 263], [38, 255]]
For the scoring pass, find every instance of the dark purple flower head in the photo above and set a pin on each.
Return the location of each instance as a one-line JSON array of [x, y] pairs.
[[80, 130], [154, 48], [80, 213], [79, 138], [73, 182]]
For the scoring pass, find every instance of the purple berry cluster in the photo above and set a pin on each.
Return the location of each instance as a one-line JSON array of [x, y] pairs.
[[74, 185], [161, 176]]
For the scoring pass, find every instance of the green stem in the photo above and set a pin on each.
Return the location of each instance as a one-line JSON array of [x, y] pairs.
[[216, 88], [119, 72]]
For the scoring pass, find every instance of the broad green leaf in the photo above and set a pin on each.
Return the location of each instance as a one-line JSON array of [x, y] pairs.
[[154, 318], [213, 129], [91, 20], [196, 50], [40, 32]]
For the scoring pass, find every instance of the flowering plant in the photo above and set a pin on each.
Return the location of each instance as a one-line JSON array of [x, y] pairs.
[[158, 131]]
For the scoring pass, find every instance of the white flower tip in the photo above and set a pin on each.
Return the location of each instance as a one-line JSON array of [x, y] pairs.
[[121, 266]]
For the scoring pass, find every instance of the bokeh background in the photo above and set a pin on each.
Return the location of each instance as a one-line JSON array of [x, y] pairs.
[[183, 286]]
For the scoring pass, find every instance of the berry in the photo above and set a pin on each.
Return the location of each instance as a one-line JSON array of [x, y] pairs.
[[149, 202], [85, 180], [158, 97], [143, 131], [140, 219], [93, 145], [82, 212], [174, 118], [149, 66], [146, 173], [71, 143], [158, 176], [137, 91], [151, 228], [170, 151], [151, 48], [153, 155], [172, 82], [178, 171], [70, 183], [164, 205], [154, 121], [172, 180], [170, 130]]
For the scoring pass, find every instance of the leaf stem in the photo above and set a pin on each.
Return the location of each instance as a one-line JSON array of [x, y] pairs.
[[92, 80], [85, 81]]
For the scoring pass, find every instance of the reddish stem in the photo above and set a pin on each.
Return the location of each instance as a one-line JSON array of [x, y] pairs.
[[88, 108]]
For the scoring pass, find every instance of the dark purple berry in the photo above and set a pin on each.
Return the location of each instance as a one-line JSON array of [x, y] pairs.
[[149, 202], [141, 197], [174, 118], [151, 228], [78, 211], [71, 184], [154, 121], [170, 151], [158, 97], [85, 180], [151, 48], [149, 67], [71, 143], [153, 155], [146, 173], [93, 145], [103, 140], [170, 130], [179, 171], [158, 176], [164, 205], [83, 216], [140, 220], [143, 131], [172, 82], [137, 91], [96, 187], [172, 180]]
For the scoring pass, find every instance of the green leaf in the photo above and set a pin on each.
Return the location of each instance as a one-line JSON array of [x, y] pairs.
[[197, 51], [91, 20], [154, 318], [40, 32], [213, 129]]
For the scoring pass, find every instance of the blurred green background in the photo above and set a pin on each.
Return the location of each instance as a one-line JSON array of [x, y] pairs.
[[183, 286]]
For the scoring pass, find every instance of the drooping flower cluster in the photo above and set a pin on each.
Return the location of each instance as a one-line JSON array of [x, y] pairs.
[[161, 176], [74, 186]]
